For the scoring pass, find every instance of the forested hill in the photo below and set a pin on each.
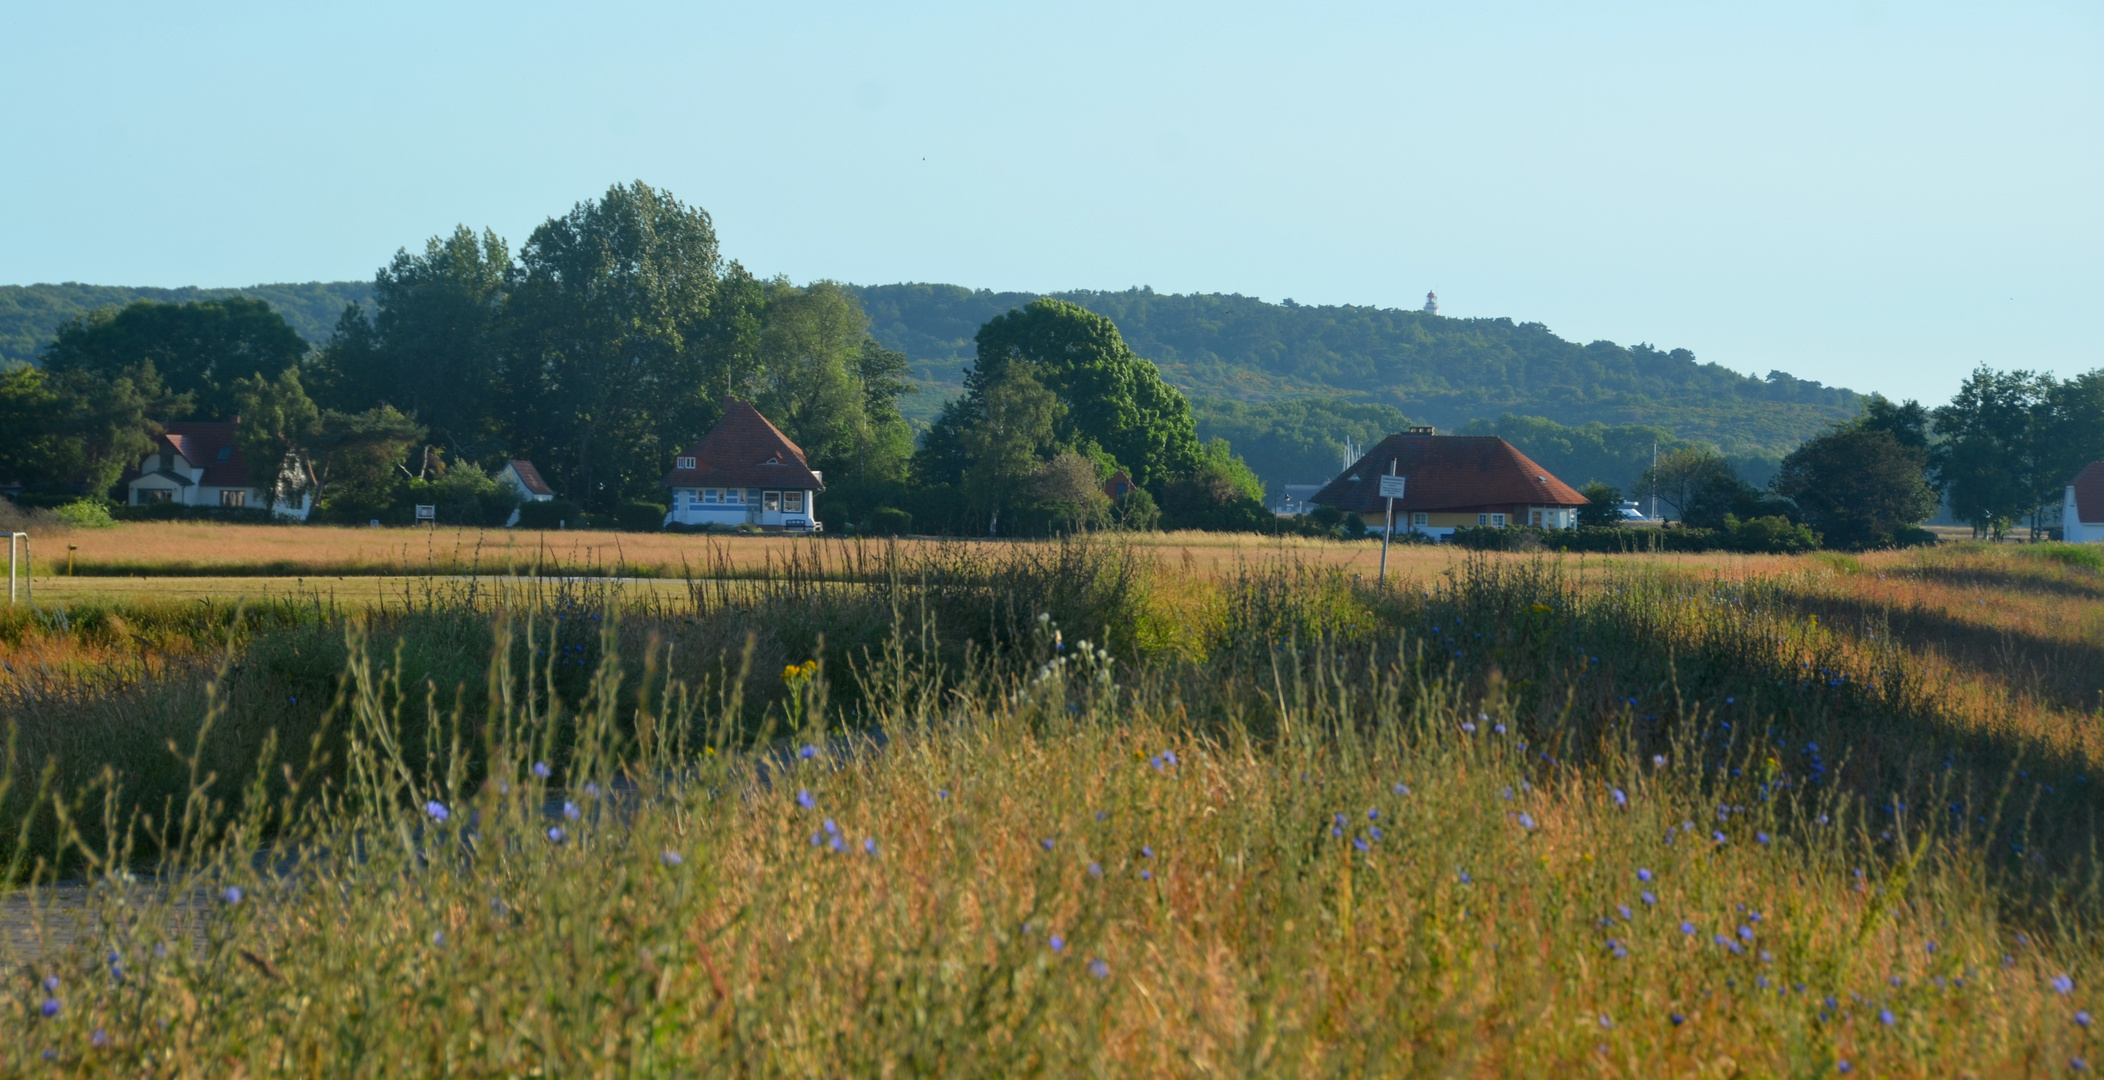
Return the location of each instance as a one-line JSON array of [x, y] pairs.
[[1333, 370], [1434, 369], [30, 314]]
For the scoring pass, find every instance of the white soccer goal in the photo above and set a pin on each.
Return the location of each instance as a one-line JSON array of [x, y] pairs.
[[28, 579]]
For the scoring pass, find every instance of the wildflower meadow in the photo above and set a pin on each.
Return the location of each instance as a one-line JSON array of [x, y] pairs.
[[1068, 809]]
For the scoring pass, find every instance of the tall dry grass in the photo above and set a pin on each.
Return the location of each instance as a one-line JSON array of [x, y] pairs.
[[1528, 817]]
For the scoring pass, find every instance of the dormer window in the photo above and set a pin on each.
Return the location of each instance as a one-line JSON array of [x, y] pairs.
[[683, 463]]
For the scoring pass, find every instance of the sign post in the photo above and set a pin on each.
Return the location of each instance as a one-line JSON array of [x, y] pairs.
[[427, 513], [1391, 489]]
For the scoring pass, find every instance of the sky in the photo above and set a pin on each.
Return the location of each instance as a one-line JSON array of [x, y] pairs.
[[1874, 195]]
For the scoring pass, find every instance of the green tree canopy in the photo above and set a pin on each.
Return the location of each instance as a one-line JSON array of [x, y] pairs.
[[1114, 400], [828, 385], [197, 349], [604, 359], [278, 423], [1860, 487], [1994, 460], [429, 349]]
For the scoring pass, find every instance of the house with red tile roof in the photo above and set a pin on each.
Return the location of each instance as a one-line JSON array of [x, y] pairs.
[[2082, 512], [196, 463], [1452, 482], [744, 472]]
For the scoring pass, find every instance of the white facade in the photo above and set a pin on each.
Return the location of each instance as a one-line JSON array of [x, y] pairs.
[[168, 477], [791, 508], [2075, 530]]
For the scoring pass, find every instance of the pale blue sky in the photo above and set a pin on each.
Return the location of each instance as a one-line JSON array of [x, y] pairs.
[[1876, 195]]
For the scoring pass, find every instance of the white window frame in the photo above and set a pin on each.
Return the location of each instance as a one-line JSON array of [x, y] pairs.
[[771, 502], [792, 502], [1420, 519], [683, 463], [710, 495], [1482, 519], [1497, 521], [233, 498]]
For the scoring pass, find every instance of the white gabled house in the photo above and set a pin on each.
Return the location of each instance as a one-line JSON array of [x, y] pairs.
[[2082, 512], [523, 478], [200, 464], [744, 472]]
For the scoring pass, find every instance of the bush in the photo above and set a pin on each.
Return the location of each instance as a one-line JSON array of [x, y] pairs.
[[552, 514], [1770, 535], [639, 516], [889, 521], [86, 514]]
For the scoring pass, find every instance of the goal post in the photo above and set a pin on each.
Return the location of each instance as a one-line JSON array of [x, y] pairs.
[[28, 578]]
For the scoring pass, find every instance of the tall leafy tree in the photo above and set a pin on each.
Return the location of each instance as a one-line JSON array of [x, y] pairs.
[[278, 424], [807, 380], [1010, 438], [2073, 428], [1681, 477], [196, 349], [1859, 486], [606, 322], [1993, 460], [430, 347], [1114, 400]]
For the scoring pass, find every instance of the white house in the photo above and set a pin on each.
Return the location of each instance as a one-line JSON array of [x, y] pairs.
[[744, 472], [200, 464], [2082, 513], [526, 480]]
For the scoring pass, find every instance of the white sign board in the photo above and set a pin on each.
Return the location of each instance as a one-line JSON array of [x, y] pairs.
[[1392, 486], [426, 513]]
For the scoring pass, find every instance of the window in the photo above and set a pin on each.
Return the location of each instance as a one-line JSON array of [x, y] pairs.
[[158, 495], [1482, 519], [683, 463], [711, 495], [1420, 519], [793, 502], [1497, 521], [771, 500], [226, 454], [1534, 517], [233, 498]]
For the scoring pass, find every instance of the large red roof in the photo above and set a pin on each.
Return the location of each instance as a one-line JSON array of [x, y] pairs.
[[212, 446], [2089, 493], [744, 450], [1447, 473]]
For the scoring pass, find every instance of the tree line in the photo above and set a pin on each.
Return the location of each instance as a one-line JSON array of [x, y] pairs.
[[2002, 450], [606, 344]]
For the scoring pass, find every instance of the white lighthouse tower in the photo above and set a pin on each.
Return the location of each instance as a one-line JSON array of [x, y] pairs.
[[1431, 303]]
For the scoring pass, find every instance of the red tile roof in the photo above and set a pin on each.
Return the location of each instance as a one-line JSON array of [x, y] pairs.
[[1447, 473], [531, 477], [2089, 493], [200, 443], [744, 450]]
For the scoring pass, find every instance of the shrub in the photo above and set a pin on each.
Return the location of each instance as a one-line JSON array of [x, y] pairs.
[[1771, 535], [890, 521], [551, 514], [639, 516], [86, 514]]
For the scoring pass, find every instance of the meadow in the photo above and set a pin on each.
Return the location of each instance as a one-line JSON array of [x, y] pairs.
[[1174, 807]]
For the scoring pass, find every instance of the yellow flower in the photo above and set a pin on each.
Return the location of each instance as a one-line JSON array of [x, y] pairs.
[[1542, 609]]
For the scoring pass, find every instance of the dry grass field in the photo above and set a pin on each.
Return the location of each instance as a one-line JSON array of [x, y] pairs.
[[1629, 815]]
